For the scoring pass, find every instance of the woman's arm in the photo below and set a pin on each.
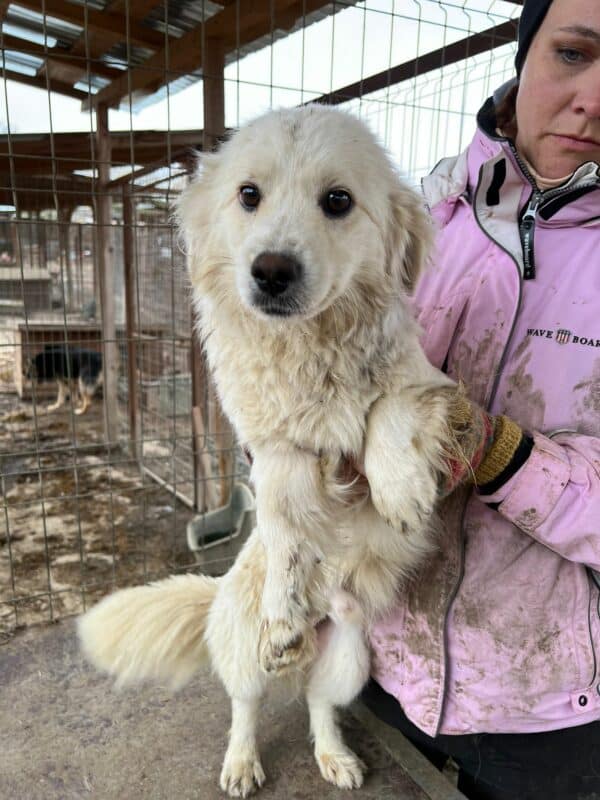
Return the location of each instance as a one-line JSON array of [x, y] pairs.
[[555, 496]]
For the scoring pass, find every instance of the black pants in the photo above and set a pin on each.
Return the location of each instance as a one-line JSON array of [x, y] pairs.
[[557, 765]]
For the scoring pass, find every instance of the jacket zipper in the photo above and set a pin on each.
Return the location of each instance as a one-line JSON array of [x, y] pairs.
[[529, 215], [526, 233]]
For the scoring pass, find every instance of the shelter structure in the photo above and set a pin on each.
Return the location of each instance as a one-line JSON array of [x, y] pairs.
[[117, 266]]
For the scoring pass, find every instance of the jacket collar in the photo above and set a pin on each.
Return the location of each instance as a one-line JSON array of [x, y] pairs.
[[492, 160]]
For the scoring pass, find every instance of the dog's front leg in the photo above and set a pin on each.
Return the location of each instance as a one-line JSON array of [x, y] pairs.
[[407, 437], [291, 515], [60, 400]]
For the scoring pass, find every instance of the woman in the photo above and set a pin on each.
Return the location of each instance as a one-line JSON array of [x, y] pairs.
[[493, 655]]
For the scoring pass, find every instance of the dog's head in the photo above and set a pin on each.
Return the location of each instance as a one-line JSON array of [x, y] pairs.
[[297, 210]]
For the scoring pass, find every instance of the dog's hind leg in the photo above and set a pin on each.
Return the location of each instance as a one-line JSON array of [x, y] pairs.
[[242, 772], [336, 678], [85, 394], [60, 400]]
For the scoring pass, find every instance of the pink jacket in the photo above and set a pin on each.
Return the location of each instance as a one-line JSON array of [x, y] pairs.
[[500, 632]]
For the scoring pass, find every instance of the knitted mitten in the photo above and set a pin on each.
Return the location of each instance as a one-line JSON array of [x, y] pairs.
[[487, 450]]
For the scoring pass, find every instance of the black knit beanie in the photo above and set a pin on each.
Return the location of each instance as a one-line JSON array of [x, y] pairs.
[[532, 17]]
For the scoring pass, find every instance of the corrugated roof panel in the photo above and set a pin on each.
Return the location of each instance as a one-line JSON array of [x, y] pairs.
[[93, 85], [22, 62], [28, 35], [65, 33], [130, 56], [181, 16], [94, 5]]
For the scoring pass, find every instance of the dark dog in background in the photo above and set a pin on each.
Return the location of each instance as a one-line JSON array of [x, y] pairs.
[[75, 369]]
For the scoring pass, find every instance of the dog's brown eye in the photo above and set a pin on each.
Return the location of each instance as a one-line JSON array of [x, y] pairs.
[[336, 202], [249, 196]]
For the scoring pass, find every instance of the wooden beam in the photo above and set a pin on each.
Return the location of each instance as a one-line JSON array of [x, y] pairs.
[[104, 22], [71, 192], [39, 167], [33, 155], [74, 144], [456, 51], [151, 188], [139, 173], [40, 83], [58, 56]]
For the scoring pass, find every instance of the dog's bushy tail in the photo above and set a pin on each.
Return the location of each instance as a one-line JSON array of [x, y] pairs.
[[153, 632]]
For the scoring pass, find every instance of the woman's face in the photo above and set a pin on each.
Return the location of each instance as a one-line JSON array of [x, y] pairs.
[[558, 102]]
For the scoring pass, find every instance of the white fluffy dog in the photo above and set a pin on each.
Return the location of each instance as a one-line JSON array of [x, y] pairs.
[[302, 244]]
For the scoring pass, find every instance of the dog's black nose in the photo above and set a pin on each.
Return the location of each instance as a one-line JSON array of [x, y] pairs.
[[273, 273]]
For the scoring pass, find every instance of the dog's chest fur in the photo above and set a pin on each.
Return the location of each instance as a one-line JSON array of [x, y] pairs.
[[304, 383]]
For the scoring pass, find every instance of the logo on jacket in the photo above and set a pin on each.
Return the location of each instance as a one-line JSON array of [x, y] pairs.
[[563, 336]]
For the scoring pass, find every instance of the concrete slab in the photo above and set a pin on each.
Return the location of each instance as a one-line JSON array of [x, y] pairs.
[[66, 734]]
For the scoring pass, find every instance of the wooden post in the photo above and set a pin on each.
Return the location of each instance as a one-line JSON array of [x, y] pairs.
[[63, 219], [14, 237], [130, 326], [213, 71], [213, 85], [104, 254], [80, 264], [42, 252]]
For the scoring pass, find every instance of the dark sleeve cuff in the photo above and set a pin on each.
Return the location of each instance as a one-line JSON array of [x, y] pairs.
[[520, 456]]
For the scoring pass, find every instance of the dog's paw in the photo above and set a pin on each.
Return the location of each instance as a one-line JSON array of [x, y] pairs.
[[342, 768], [241, 776], [283, 645], [406, 504]]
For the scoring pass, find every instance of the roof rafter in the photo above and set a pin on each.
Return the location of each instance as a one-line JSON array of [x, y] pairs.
[[481, 42], [42, 83], [62, 57]]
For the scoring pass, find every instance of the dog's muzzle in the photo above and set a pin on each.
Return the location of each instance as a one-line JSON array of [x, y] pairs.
[[277, 277]]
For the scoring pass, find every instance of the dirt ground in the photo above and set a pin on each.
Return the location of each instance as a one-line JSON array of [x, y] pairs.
[[66, 734], [75, 520]]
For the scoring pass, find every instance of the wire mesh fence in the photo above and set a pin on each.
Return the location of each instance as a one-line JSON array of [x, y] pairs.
[[103, 103]]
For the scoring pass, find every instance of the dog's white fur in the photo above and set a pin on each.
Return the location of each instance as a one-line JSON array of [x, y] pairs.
[[341, 371]]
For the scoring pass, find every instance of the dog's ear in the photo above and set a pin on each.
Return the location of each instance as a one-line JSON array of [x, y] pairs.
[[409, 237], [194, 208]]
